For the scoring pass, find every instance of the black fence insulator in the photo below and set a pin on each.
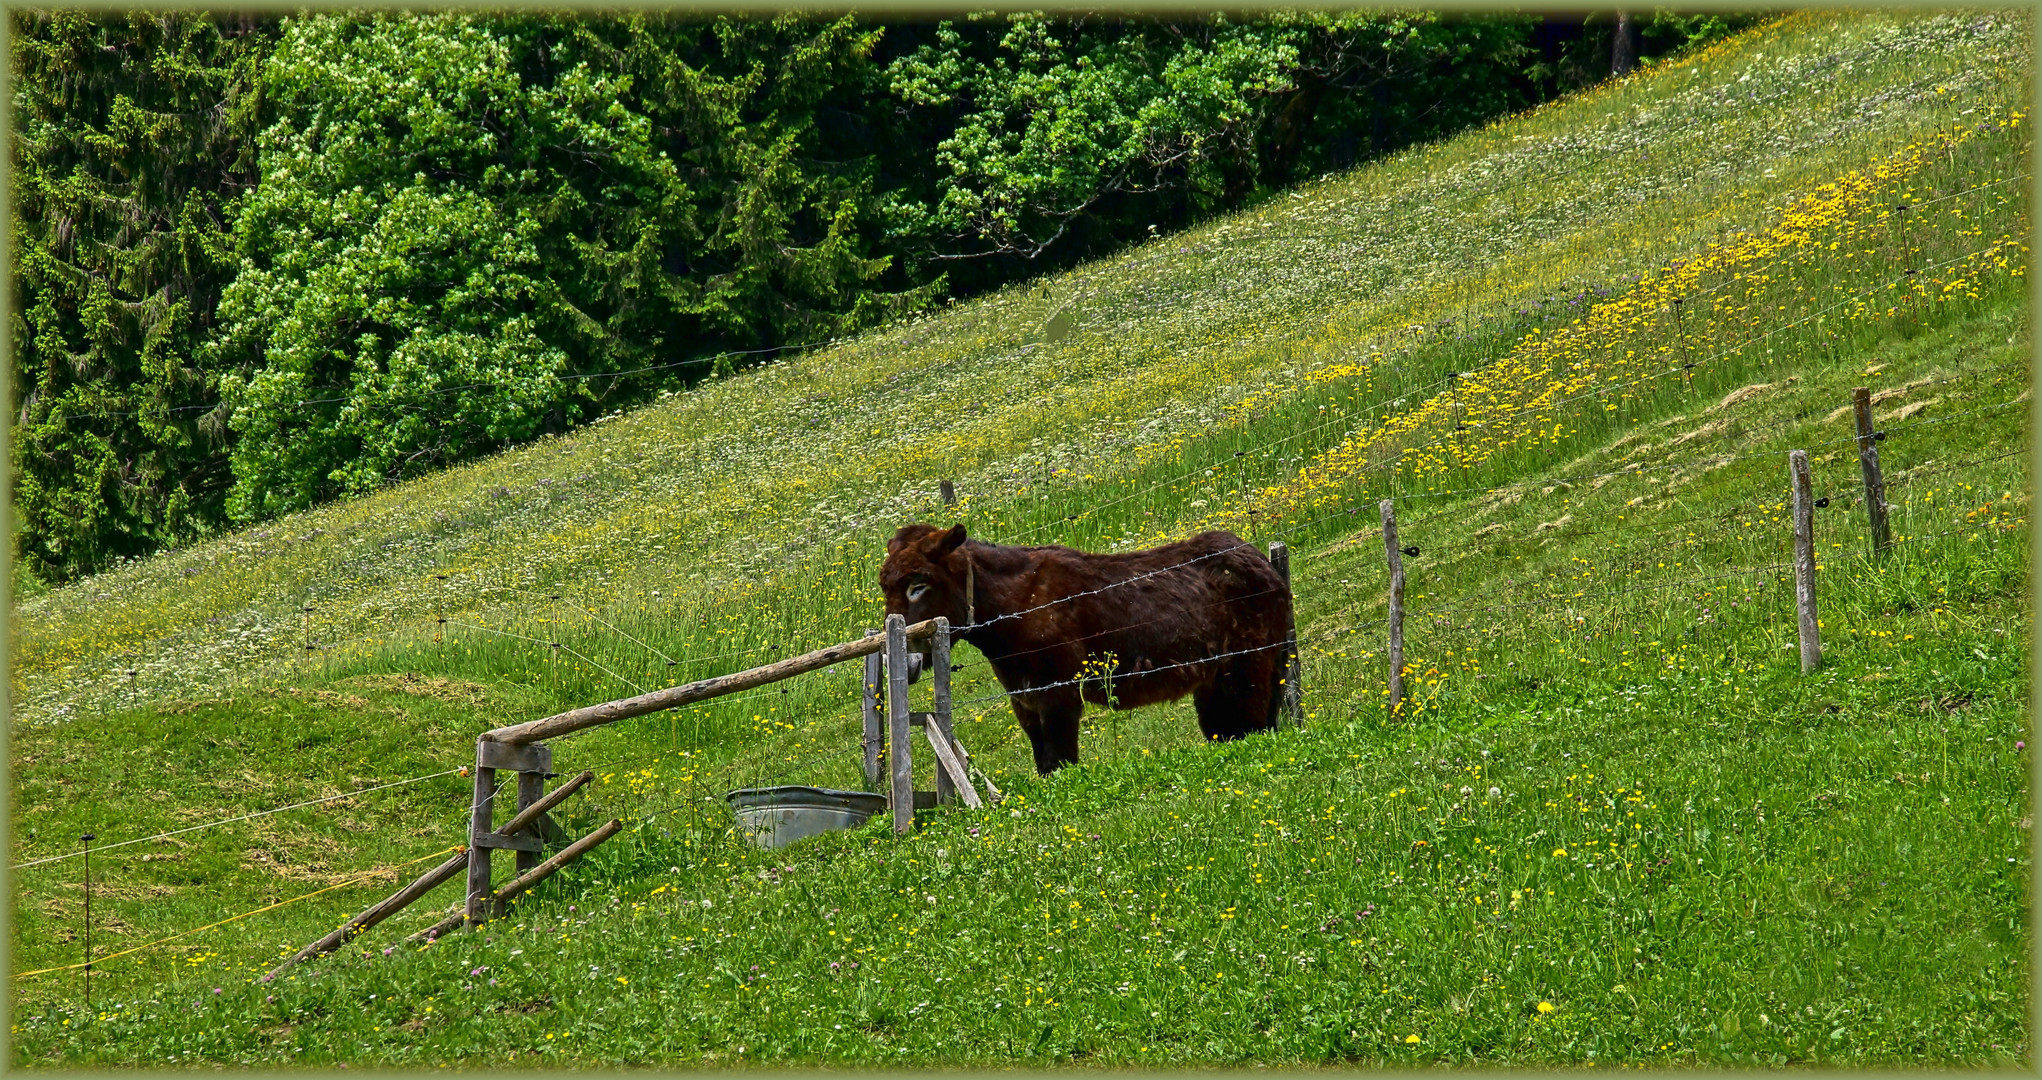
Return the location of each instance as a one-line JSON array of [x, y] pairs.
[[1240, 453], [439, 577], [1878, 436], [1899, 206], [957, 667], [1677, 301], [1823, 501], [1412, 551], [671, 663]]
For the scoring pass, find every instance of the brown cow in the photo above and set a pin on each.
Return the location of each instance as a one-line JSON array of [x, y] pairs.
[[1206, 616]]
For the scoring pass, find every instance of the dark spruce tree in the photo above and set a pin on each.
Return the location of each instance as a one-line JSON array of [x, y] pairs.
[[133, 137]]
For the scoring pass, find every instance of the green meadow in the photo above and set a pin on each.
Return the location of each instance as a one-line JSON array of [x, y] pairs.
[[1614, 824]]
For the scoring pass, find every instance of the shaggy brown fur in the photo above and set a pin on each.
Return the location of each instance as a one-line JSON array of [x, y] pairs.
[[1162, 613]]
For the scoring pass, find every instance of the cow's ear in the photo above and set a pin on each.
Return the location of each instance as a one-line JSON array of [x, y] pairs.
[[950, 540]]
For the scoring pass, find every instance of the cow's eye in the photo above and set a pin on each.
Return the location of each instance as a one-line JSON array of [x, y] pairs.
[[915, 591]]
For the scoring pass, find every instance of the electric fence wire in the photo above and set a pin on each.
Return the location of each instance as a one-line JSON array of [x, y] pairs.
[[244, 817]]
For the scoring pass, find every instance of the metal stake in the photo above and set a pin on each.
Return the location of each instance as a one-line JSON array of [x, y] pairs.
[[87, 841]]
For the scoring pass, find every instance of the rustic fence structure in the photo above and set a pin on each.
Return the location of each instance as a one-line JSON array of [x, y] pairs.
[[521, 748]]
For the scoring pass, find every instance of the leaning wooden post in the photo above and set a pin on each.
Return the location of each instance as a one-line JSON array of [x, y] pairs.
[[1804, 561], [376, 913], [870, 711], [1396, 559], [901, 794], [1868, 462], [500, 903], [939, 710], [481, 822], [1293, 708]]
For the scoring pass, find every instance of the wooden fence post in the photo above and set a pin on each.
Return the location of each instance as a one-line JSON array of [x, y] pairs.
[[1804, 561], [1293, 709], [870, 711], [947, 491], [481, 821], [1396, 559], [901, 794], [1868, 463]]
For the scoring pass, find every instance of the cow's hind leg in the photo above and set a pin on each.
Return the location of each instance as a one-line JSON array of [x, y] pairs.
[[1051, 720], [1240, 700]]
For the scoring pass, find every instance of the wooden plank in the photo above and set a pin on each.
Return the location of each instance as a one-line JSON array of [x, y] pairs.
[[537, 810], [1804, 561], [1868, 463], [531, 788], [947, 777], [396, 902], [524, 882], [526, 844], [532, 759], [900, 758], [951, 766], [869, 710], [1293, 709], [1396, 559], [702, 690], [481, 821]]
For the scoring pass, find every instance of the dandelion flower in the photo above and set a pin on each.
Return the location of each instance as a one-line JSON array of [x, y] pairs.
[[1545, 1006], [1410, 1038]]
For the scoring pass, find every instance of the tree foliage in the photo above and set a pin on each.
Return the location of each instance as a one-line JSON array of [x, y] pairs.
[[132, 137], [1087, 125], [261, 264], [469, 231]]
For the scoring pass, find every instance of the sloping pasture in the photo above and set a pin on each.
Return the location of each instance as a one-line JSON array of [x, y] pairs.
[[1613, 825]]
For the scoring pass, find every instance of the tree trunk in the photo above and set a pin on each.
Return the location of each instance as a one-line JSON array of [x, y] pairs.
[[1623, 50]]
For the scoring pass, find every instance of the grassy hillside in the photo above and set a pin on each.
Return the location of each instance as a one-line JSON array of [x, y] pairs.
[[1614, 825]]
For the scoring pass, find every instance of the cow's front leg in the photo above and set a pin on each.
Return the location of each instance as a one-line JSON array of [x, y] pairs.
[[1050, 718]]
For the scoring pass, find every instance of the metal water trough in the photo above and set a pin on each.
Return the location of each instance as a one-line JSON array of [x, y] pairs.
[[775, 817]]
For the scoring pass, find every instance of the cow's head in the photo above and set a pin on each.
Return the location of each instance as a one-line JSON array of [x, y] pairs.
[[924, 577]]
